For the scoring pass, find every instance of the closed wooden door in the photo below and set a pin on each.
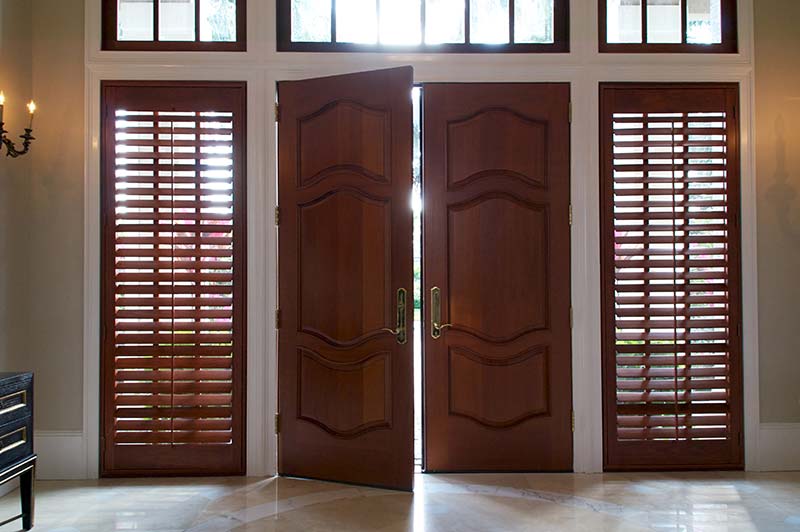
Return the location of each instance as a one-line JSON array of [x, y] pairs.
[[345, 259], [497, 261]]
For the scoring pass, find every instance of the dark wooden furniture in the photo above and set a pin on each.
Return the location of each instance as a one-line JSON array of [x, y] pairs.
[[16, 439]]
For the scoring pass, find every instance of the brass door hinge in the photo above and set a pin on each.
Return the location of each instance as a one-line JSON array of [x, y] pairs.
[[277, 318], [570, 214], [277, 216], [277, 112], [570, 112], [277, 423], [573, 421]]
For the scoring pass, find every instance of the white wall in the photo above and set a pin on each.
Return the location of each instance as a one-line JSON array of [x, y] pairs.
[[778, 151], [777, 78], [16, 83], [55, 215]]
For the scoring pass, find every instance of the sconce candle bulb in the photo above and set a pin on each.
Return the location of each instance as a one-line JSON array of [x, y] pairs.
[[11, 149], [31, 109]]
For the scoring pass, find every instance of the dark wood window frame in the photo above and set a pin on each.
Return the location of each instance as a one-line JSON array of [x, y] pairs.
[[111, 43], [689, 451], [729, 44], [560, 36], [160, 96]]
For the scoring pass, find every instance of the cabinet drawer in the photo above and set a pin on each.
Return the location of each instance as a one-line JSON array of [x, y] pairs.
[[16, 396], [16, 440], [15, 405]]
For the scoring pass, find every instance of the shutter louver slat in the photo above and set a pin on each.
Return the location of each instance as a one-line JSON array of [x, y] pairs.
[[173, 278], [670, 302], [156, 230]]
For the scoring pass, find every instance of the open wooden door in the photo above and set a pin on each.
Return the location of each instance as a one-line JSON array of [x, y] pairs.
[[345, 363], [498, 394]]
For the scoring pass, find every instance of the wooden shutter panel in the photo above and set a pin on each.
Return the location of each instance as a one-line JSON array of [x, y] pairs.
[[671, 280], [173, 357]]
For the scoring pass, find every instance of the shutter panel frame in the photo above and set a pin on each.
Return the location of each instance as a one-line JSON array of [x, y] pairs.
[[193, 273], [636, 435]]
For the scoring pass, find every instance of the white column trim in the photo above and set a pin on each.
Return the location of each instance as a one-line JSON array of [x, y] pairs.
[[258, 276]]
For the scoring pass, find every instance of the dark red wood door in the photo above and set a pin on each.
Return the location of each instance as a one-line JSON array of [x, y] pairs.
[[345, 367], [498, 394]]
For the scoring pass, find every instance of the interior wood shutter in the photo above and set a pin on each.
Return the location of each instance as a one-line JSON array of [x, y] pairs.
[[671, 277], [173, 278]]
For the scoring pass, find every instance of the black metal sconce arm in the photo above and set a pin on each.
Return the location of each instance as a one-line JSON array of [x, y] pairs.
[[11, 148]]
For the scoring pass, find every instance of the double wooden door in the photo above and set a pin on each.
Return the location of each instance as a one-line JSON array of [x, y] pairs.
[[496, 265]]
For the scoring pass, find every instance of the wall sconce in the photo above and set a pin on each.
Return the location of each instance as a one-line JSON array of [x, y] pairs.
[[11, 149]]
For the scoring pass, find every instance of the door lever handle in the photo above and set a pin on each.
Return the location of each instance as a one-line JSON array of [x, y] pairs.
[[442, 326], [401, 331], [436, 314]]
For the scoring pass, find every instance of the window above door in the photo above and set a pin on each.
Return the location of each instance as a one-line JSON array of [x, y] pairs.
[[668, 26], [174, 25], [431, 26]]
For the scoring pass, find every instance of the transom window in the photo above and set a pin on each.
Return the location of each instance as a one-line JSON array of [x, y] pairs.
[[174, 25], [423, 25], [668, 26]]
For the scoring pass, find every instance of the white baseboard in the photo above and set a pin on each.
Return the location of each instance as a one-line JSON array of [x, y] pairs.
[[779, 447], [61, 454]]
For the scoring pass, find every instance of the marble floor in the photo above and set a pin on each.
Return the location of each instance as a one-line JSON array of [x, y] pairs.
[[441, 503]]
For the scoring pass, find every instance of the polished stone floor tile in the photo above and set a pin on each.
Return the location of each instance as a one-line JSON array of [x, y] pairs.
[[681, 502]]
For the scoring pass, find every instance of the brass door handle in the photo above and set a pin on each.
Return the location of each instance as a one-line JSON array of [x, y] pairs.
[[442, 326], [401, 332], [436, 314]]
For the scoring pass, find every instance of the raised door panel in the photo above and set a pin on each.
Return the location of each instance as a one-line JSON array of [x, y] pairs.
[[344, 136], [498, 392], [344, 264], [496, 141], [345, 398], [345, 389], [496, 243], [503, 240]]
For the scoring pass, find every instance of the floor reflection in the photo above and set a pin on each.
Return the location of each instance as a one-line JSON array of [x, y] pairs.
[[619, 502]]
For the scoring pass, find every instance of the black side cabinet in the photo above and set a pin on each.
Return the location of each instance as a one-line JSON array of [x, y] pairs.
[[16, 439]]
